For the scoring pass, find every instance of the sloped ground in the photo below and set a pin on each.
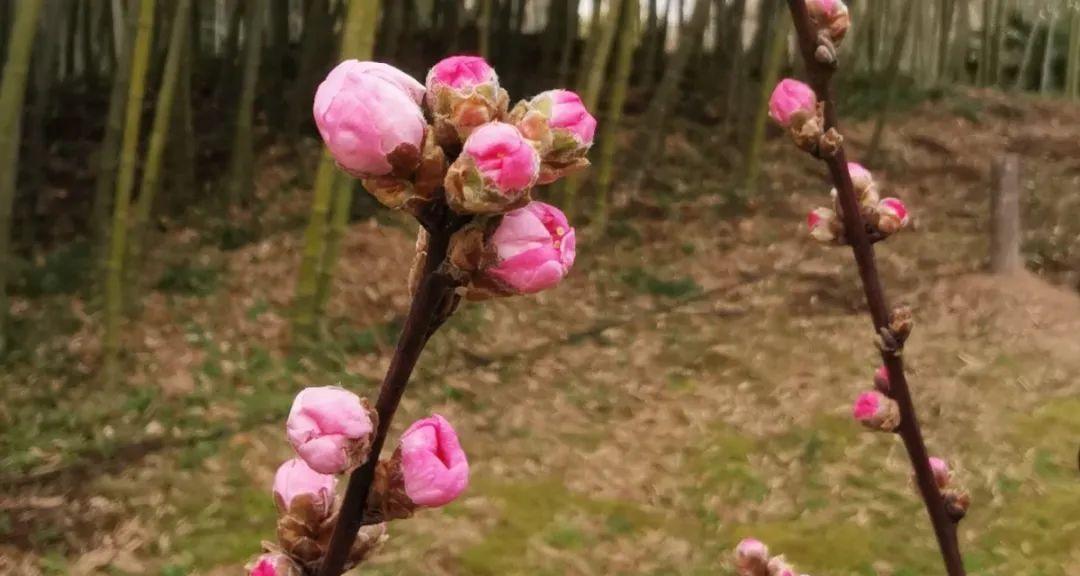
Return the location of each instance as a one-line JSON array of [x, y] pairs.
[[689, 385]]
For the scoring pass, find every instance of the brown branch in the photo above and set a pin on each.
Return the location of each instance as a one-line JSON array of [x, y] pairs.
[[820, 73], [424, 312]]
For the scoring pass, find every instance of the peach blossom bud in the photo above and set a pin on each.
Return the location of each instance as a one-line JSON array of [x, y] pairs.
[[893, 216], [535, 248], [297, 484], [941, 472], [778, 566], [407, 83], [792, 103], [562, 129], [881, 380], [751, 557], [371, 125], [494, 173], [433, 465], [330, 428], [463, 93], [956, 503], [823, 224], [876, 412], [831, 17], [861, 178], [273, 564]]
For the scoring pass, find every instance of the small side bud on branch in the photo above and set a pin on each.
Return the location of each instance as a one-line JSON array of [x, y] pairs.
[[794, 106], [881, 380], [876, 412], [940, 468], [901, 321], [892, 216], [824, 225], [956, 503], [830, 18], [330, 428]]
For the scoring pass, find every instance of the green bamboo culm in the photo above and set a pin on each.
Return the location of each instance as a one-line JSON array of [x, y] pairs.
[[12, 95], [775, 54], [1072, 86], [109, 151], [483, 28], [591, 85], [151, 175], [114, 267], [240, 170], [332, 197], [620, 82]]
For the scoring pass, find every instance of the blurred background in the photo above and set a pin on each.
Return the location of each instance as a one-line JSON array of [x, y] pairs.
[[178, 258]]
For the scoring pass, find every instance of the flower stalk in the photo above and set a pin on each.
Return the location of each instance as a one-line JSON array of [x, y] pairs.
[[428, 304], [820, 60]]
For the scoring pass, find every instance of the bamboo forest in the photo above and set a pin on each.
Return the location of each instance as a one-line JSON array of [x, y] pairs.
[[540, 287]]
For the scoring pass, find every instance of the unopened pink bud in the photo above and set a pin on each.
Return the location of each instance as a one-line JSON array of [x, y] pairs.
[[330, 428], [461, 72], [823, 224], [861, 178], [494, 172], [941, 472], [433, 465], [792, 102], [369, 119], [876, 412], [273, 564], [893, 216], [830, 16], [407, 83], [881, 380], [751, 557], [778, 566], [536, 248], [296, 482]]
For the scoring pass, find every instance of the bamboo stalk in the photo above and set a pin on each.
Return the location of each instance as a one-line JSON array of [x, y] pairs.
[[12, 96], [240, 171], [774, 59], [359, 43], [128, 157], [620, 83], [820, 79], [148, 188]]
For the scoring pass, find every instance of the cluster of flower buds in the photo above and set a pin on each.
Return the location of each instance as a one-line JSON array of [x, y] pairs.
[[956, 498], [876, 411], [883, 216], [455, 141], [331, 430], [752, 559]]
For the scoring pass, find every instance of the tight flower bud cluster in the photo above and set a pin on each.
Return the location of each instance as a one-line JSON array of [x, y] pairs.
[[884, 217], [331, 430], [482, 159]]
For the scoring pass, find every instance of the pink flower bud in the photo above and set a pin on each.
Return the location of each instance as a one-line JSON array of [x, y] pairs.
[[494, 172], [881, 379], [893, 216], [407, 83], [273, 564], [791, 103], [562, 129], [823, 224], [778, 566], [830, 16], [296, 482], [861, 178], [463, 93], [751, 557], [371, 124], [535, 246], [876, 412], [941, 472], [461, 72], [433, 465], [330, 428]]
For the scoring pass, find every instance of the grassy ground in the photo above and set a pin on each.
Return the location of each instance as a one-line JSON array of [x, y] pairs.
[[689, 385]]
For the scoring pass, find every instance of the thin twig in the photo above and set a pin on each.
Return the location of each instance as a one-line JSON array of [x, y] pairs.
[[435, 286], [820, 75]]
